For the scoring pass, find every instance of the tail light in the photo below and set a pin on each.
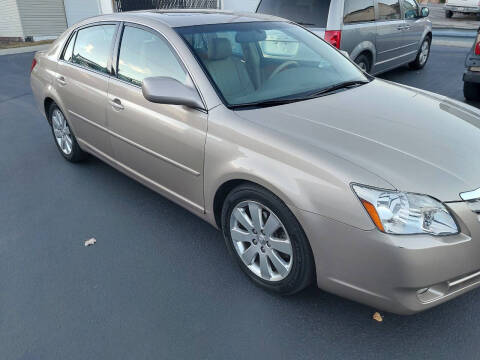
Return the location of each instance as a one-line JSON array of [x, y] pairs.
[[477, 45], [333, 37], [34, 62]]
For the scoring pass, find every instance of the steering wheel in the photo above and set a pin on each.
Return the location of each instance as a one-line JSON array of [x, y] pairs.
[[282, 67]]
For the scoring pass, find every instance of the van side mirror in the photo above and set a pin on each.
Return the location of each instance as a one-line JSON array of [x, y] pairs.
[[424, 12], [165, 90]]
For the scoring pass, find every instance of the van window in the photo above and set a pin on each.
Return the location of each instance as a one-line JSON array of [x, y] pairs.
[[304, 12], [92, 47], [389, 10], [144, 54], [410, 9], [358, 11]]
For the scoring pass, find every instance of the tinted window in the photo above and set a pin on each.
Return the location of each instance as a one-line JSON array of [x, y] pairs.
[[358, 11], [388, 10], [410, 9], [93, 46], [144, 54], [67, 55], [306, 12]]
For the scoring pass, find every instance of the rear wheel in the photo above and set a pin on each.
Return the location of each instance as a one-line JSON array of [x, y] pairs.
[[267, 240], [448, 14], [63, 136], [363, 61], [471, 91], [422, 55]]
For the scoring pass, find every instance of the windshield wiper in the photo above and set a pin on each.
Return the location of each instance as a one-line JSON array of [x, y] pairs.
[[336, 87], [266, 103], [319, 93]]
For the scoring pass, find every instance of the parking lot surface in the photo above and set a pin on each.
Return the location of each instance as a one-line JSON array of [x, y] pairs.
[[159, 283]]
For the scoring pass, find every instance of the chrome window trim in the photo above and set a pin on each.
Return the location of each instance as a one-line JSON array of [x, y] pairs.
[[470, 195]]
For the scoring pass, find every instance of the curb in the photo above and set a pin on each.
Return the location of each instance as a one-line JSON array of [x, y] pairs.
[[25, 49], [456, 33]]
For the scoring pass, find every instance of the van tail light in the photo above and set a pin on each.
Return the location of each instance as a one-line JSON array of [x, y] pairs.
[[34, 62], [477, 45], [333, 37]]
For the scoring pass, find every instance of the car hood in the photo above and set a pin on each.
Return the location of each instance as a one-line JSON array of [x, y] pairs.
[[415, 140]]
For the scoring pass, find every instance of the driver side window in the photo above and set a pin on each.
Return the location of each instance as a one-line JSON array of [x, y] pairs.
[[144, 54], [411, 9]]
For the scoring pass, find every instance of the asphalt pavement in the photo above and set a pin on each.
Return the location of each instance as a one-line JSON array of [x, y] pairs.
[[159, 283]]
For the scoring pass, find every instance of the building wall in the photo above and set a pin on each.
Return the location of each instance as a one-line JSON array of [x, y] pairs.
[[42, 17], [240, 5], [10, 26]]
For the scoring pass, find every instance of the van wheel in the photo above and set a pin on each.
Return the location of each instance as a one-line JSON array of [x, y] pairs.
[[364, 62], [422, 55], [448, 14], [63, 136], [266, 239], [471, 91]]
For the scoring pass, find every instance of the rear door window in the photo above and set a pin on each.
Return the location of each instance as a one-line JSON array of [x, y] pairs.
[[356, 11], [67, 54], [389, 10], [93, 47], [304, 12]]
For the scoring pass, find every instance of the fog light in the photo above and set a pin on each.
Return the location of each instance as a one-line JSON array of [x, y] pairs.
[[427, 295]]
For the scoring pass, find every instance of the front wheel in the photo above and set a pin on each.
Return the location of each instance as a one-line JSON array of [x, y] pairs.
[[471, 91], [267, 240], [422, 55], [448, 14]]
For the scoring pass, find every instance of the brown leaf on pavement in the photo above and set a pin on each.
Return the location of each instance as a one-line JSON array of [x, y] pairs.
[[377, 317]]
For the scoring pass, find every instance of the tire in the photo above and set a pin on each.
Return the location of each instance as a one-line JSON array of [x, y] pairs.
[[448, 14], [422, 57], [471, 91], [363, 61], [302, 270], [68, 145]]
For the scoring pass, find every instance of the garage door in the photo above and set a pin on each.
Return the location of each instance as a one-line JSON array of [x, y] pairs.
[[76, 11]]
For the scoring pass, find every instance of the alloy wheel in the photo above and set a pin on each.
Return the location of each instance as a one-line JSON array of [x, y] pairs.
[[62, 132], [261, 241], [424, 51]]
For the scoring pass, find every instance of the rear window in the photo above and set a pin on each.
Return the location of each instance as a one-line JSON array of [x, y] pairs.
[[358, 11], [304, 12]]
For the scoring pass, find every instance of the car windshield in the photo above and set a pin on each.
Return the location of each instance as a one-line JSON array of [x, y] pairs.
[[264, 62]]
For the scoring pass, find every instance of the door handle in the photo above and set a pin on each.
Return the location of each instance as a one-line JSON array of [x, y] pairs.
[[61, 81], [117, 104], [407, 27]]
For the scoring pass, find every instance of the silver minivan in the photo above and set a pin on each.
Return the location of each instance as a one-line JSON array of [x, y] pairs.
[[379, 35]]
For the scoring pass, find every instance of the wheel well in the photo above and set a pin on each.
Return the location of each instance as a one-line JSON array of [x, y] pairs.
[[220, 197], [47, 103], [429, 35]]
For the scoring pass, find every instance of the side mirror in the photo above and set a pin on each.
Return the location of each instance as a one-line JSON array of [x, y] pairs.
[[165, 90], [424, 12]]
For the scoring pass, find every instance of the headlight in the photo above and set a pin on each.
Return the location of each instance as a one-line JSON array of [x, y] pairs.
[[396, 212]]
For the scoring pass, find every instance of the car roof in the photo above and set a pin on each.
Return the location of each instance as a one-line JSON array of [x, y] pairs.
[[190, 17]]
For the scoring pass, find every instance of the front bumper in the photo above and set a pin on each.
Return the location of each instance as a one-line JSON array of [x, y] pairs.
[[393, 273], [463, 9]]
